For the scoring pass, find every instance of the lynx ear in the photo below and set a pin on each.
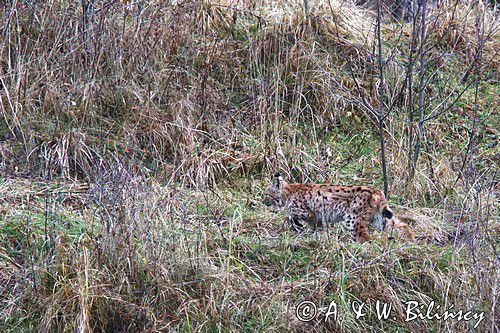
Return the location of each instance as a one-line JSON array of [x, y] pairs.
[[277, 179]]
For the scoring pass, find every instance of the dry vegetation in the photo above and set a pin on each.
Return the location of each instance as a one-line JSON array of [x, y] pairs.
[[136, 138]]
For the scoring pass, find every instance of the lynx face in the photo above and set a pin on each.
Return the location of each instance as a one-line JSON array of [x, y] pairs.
[[317, 204], [274, 197]]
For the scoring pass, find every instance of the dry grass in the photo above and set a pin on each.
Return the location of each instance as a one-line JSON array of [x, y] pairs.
[[183, 88], [129, 255], [455, 26]]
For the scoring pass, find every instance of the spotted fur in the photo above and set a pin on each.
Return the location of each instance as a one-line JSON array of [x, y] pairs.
[[317, 204]]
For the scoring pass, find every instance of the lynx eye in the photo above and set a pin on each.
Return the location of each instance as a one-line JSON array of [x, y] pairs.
[[269, 200]]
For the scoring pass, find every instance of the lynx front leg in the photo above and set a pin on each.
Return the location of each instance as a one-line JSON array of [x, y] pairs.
[[299, 214], [295, 224]]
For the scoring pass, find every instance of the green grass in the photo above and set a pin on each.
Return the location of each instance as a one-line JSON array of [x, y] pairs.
[[263, 262]]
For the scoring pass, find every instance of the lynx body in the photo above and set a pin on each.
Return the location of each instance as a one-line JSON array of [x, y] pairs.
[[318, 204]]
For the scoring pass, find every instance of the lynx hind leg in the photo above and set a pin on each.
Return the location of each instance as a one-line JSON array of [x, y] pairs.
[[357, 227], [362, 230], [401, 227]]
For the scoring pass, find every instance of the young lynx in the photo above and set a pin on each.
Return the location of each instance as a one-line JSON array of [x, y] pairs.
[[358, 206]]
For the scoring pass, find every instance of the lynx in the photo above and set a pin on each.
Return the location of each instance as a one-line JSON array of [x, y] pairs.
[[316, 204]]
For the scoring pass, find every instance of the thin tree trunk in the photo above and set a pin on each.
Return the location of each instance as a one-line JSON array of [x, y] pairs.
[[88, 20], [306, 9], [421, 91], [469, 152], [409, 87], [381, 102]]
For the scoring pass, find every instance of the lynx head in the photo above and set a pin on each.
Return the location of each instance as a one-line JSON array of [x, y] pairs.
[[274, 195]]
